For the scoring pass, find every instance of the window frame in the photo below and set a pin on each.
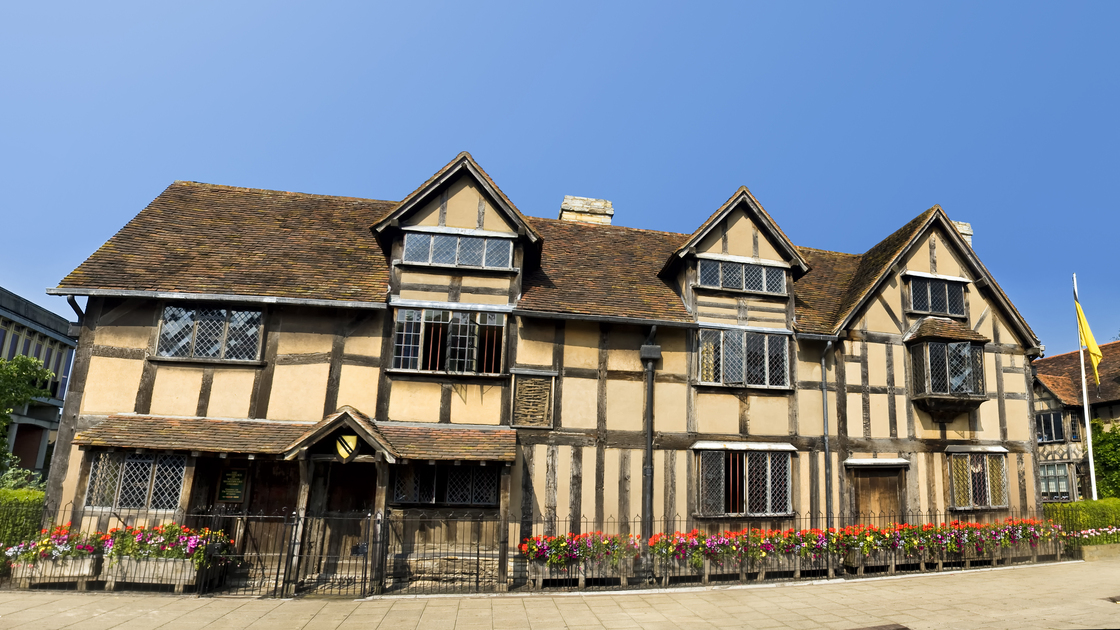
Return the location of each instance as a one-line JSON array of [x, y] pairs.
[[418, 329], [742, 463], [160, 354], [439, 480], [765, 270], [970, 459], [921, 364], [121, 460], [720, 364], [928, 283], [1050, 427], [431, 238], [1058, 472]]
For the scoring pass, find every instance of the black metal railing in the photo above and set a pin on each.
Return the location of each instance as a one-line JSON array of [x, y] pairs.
[[217, 552]]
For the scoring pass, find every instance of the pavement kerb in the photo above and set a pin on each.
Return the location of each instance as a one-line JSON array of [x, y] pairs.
[[714, 587]]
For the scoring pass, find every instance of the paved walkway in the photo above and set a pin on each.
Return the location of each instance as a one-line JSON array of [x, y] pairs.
[[1068, 595]]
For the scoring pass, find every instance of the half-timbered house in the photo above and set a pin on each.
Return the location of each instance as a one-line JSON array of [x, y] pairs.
[[269, 351]]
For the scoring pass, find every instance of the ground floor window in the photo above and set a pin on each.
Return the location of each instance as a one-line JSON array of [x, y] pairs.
[[1055, 482], [446, 484], [117, 480], [752, 483], [978, 480]]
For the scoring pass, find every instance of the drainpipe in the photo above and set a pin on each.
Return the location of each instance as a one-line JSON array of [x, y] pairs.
[[827, 454], [650, 355]]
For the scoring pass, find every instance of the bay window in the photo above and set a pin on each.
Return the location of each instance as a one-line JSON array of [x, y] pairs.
[[954, 368]]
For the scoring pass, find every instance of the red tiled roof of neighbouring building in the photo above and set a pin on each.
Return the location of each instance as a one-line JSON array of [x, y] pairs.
[[1061, 374]]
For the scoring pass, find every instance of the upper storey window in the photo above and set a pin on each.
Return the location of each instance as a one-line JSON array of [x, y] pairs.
[[434, 340], [742, 276], [453, 249], [737, 357], [939, 297], [1049, 427], [948, 368], [210, 333]]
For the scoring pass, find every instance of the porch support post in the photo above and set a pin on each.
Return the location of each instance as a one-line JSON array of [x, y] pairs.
[[503, 523], [306, 468], [380, 516]]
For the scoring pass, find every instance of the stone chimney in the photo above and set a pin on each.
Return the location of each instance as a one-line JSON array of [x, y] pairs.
[[966, 231], [586, 210]]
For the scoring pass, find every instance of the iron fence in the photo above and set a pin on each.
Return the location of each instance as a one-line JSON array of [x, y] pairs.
[[214, 552]]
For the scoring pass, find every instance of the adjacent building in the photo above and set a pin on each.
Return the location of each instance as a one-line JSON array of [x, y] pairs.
[[1059, 418], [30, 330], [266, 351]]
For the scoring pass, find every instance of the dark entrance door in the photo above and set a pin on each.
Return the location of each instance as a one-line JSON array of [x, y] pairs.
[[878, 492]]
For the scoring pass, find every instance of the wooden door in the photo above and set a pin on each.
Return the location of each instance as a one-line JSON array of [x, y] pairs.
[[878, 491]]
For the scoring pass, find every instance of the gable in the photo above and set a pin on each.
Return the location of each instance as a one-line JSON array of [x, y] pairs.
[[461, 204], [737, 235], [934, 253]]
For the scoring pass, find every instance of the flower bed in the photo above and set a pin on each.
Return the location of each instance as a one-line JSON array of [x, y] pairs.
[[59, 555], [754, 549]]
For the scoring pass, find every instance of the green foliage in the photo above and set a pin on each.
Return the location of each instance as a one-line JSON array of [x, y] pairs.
[[21, 380], [20, 514], [16, 478], [1106, 457], [1087, 522]]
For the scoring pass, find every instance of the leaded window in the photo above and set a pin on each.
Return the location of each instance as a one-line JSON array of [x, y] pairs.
[[446, 485], [135, 481], [1048, 427], [978, 480], [738, 357], [210, 333], [955, 368], [449, 341], [1055, 482], [463, 251], [742, 276], [750, 483], [940, 297]]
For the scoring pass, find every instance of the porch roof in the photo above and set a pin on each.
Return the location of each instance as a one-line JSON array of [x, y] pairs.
[[465, 442], [216, 435]]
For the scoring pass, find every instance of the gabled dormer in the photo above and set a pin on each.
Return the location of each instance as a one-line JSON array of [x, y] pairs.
[[735, 274]]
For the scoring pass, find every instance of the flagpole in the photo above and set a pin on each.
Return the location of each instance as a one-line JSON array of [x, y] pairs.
[[1085, 399]]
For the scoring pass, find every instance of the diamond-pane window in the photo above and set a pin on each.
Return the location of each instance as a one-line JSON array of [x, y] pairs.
[[935, 296], [752, 278], [167, 484], [953, 368], [919, 294], [712, 487], [136, 478], [978, 480], [459, 484], [955, 302], [752, 483], [498, 252], [471, 250], [136, 481], [104, 474], [732, 276], [938, 370], [485, 486], [444, 249], [210, 333], [417, 247], [738, 357], [775, 280], [937, 301], [709, 273]]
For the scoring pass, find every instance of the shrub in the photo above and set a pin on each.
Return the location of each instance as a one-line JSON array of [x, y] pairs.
[[1088, 522], [21, 512]]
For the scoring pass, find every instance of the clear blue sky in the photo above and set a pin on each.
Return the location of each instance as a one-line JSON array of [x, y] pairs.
[[845, 119]]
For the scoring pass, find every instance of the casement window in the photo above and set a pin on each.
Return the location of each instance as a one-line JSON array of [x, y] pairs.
[[210, 333], [750, 483], [446, 485], [1074, 428], [135, 481], [449, 341], [1055, 482], [938, 297], [948, 368], [978, 480], [1048, 427], [461, 251], [738, 357], [742, 276]]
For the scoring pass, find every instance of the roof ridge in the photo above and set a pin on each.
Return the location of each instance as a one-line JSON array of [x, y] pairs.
[[600, 226], [826, 251], [282, 192], [1101, 345]]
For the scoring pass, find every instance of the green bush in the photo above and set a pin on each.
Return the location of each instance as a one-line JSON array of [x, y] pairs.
[[21, 512], [1096, 522]]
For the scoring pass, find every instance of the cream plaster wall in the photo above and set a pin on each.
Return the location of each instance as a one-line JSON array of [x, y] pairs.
[[625, 405], [230, 393], [476, 404], [579, 403], [357, 387], [415, 401], [175, 391], [298, 392], [717, 413], [769, 415], [111, 385]]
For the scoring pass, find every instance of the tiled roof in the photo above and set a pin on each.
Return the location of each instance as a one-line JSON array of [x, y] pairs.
[[602, 270], [944, 328], [203, 238], [446, 442], [192, 434], [820, 293], [1061, 374]]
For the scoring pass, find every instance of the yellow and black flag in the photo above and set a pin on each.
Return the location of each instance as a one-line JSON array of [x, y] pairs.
[[1087, 340]]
